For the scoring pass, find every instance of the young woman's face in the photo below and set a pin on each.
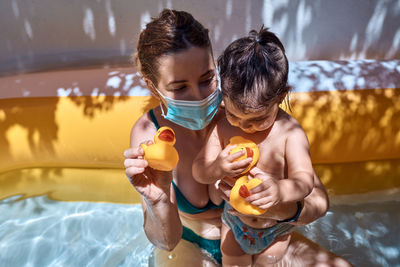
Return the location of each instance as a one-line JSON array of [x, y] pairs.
[[187, 75], [252, 122]]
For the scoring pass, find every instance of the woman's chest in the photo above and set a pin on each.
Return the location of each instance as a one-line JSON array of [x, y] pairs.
[[194, 192]]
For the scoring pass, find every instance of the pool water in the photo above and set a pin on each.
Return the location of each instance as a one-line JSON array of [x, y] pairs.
[[363, 234], [41, 232]]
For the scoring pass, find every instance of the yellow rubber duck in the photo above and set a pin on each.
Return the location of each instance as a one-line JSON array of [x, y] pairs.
[[162, 155], [249, 147], [241, 189]]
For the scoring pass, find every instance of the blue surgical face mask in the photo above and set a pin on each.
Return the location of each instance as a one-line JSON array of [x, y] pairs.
[[194, 115]]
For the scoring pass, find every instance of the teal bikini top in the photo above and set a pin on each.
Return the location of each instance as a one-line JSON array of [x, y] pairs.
[[183, 204]]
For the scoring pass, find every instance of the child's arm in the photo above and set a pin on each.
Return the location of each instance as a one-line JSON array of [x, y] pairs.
[[213, 163], [300, 181]]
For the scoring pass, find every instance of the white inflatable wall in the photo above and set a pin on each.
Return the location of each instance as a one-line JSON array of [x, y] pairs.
[[52, 34]]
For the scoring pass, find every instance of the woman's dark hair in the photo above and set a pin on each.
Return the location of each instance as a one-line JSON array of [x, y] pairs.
[[254, 70], [171, 32]]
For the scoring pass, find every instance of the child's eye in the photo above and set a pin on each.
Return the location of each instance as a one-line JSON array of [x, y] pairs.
[[260, 119], [230, 115]]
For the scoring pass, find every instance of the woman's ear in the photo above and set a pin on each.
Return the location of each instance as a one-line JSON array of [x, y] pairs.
[[151, 88], [222, 105]]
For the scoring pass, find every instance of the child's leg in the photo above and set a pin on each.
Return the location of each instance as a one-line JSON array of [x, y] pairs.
[[274, 252], [232, 254]]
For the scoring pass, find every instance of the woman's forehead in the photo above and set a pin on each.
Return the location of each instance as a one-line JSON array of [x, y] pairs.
[[185, 65]]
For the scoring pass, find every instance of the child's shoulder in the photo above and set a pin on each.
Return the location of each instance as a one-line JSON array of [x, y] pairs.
[[286, 121]]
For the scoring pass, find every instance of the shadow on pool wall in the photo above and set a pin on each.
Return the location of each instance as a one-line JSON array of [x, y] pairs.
[[354, 134], [349, 111], [76, 121], [354, 139], [32, 101], [78, 113], [51, 35]]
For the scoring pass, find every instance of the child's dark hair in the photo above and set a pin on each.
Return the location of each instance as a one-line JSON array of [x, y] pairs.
[[254, 70]]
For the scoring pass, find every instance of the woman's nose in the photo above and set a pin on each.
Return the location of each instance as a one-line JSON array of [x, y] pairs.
[[196, 93], [199, 93]]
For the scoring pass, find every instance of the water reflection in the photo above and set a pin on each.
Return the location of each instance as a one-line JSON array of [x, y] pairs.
[[361, 233], [43, 232]]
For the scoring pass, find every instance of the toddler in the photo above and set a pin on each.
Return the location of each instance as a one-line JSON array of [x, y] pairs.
[[254, 74]]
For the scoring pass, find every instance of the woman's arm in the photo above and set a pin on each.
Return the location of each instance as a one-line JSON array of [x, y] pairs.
[[315, 205], [162, 224]]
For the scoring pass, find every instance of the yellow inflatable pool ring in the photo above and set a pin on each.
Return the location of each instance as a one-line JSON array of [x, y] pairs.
[[250, 148], [162, 155], [240, 191], [242, 186]]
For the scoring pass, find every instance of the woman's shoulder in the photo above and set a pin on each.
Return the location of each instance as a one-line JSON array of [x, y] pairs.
[[143, 123], [143, 129]]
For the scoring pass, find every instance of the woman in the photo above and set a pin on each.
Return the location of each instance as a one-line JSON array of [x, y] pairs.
[[174, 56]]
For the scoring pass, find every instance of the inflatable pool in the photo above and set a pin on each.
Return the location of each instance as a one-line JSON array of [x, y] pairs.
[[65, 198]]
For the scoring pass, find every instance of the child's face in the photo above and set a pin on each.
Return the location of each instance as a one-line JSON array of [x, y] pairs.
[[253, 121]]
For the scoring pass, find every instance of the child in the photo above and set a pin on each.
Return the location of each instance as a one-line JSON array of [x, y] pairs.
[[254, 73]]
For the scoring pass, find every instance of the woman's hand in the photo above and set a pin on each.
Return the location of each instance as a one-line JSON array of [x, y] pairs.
[[225, 187], [150, 183]]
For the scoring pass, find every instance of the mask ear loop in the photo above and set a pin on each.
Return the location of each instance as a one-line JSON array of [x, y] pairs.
[[162, 110], [219, 88], [162, 101]]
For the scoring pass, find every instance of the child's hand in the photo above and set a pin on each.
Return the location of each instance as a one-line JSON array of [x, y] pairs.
[[227, 164], [266, 194]]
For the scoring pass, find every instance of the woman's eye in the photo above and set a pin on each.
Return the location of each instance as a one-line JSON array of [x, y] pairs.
[[207, 82]]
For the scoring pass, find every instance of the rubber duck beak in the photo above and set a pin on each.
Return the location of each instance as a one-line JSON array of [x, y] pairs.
[[166, 136], [249, 152]]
